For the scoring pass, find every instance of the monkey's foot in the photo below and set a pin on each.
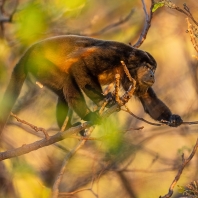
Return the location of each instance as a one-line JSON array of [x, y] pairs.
[[82, 132]]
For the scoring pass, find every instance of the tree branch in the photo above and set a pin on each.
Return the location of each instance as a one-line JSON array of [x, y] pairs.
[[26, 148], [185, 11], [105, 29], [181, 168], [35, 128], [55, 189], [147, 25]]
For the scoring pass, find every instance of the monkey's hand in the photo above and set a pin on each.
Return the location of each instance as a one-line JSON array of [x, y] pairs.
[[174, 121], [110, 97]]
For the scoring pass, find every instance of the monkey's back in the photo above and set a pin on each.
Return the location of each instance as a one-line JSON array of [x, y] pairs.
[[60, 53]]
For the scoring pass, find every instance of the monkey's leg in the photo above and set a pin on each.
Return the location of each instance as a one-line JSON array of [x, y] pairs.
[[62, 111], [88, 83], [74, 98]]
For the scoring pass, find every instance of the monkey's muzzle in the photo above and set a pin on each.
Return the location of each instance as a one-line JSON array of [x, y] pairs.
[[148, 78]]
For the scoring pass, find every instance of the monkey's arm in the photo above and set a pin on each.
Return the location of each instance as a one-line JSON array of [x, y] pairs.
[[158, 110]]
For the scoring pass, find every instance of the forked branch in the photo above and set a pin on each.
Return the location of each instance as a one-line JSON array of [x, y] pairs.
[[181, 168], [147, 25]]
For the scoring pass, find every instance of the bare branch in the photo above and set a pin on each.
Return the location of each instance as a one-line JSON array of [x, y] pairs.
[[128, 94], [80, 190], [52, 139], [181, 168], [142, 119], [117, 87], [26, 148], [134, 129], [55, 189], [35, 128], [147, 25], [69, 115], [186, 11], [163, 122], [187, 123]]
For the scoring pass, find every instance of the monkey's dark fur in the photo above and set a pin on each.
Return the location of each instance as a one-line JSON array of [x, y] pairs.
[[71, 64]]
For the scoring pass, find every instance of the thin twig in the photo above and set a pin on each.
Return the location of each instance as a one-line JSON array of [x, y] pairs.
[[127, 72], [128, 94], [103, 106], [55, 189], [26, 148], [80, 190], [187, 123], [181, 168], [117, 87], [142, 119], [105, 29], [37, 129], [69, 115], [155, 124], [134, 129], [186, 11]]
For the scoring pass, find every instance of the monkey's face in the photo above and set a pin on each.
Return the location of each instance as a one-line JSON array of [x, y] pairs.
[[145, 76]]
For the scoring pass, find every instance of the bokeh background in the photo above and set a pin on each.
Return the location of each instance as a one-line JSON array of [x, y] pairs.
[[124, 163]]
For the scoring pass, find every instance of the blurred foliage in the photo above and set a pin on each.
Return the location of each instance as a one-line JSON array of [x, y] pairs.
[[148, 157], [31, 22], [191, 190], [157, 5]]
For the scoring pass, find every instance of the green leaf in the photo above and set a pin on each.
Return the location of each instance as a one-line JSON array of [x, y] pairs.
[[31, 22], [157, 5], [181, 189]]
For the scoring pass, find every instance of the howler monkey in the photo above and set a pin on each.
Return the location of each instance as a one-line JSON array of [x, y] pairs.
[[71, 64]]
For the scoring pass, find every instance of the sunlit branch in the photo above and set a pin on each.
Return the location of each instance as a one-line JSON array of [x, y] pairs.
[[147, 25], [186, 11], [142, 119], [26, 148], [181, 168]]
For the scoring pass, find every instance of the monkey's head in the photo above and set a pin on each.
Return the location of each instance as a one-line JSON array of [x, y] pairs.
[[142, 68], [145, 76]]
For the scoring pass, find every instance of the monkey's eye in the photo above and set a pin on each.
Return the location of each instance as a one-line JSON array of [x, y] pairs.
[[149, 67]]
